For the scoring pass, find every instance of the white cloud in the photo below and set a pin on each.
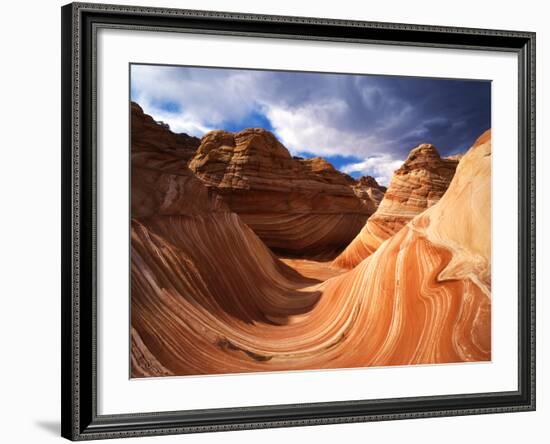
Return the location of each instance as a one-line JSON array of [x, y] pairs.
[[309, 117], [178, 122], [310, 129], [380, 167], [206, 98]]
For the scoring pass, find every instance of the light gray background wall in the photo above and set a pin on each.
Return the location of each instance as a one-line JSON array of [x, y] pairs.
[[30, 233]]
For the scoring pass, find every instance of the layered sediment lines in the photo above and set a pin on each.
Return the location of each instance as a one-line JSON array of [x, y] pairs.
[[161, 183], [417, 185], [296, 206], [193, 259], [208, 297]]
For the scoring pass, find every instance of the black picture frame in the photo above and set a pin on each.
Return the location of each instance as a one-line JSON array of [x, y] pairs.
[[80, 420]]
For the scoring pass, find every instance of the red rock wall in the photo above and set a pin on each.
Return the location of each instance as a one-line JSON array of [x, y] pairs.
[[301, 207]]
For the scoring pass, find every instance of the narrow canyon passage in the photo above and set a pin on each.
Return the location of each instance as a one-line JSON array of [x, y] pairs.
[[313, 269]]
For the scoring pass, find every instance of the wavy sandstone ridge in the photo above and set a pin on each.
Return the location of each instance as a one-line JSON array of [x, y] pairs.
[[296, 206], [422, 297], [188, 248], [416, 185]]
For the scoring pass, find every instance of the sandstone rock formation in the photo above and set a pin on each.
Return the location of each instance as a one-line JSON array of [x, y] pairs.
[[186, 243], [296, 206], [147, 132], [161, 182], [367, 189], [423, 297], [415, 186]]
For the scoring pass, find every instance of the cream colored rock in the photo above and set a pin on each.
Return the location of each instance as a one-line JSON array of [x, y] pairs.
[[415, 186]]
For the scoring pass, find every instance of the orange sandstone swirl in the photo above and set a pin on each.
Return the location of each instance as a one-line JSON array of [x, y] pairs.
[[208, 297]]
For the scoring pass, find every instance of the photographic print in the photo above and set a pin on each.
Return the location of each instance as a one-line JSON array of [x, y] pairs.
[[286, 220]]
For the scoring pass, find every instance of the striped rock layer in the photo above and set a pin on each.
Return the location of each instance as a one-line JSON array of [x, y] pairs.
[[161, 184], [298, 207], [417, 185], [208, 296]]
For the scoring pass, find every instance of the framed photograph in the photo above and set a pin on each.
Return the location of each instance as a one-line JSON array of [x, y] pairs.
[[282, 221]]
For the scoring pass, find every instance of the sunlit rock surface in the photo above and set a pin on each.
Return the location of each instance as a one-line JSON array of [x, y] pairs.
[[296, 206], [415, 186], [208, 296]]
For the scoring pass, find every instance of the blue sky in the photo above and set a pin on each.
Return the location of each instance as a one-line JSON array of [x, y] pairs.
[[362, 124]]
